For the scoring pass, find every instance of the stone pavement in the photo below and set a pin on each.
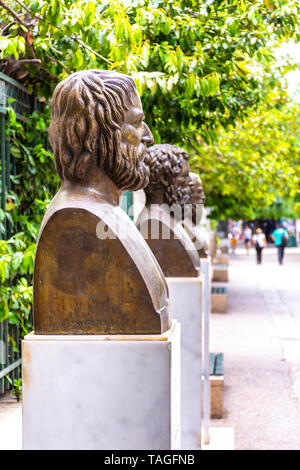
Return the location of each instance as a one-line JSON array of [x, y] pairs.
[[10, 424], [260, 338]]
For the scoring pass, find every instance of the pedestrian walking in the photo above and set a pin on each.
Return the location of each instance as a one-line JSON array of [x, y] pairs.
[[280, 237], [232, 240], [233, 237], [260, 242], [247, 238]]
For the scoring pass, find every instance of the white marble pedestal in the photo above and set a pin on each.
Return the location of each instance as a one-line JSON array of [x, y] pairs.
[[102, 392], [186, 296], [206, 273]]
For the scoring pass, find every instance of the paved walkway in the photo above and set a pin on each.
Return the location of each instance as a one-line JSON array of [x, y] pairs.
[[260, 338], [10, 424]]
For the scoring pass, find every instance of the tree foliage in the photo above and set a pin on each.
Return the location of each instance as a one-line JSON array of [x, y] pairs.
[[190, 59], [255, 166]]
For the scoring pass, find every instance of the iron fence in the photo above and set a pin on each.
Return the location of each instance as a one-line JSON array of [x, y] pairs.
[[10, 355], [16, 96]]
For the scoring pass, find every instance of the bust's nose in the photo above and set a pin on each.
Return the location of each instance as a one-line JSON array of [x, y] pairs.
[[147, 136]]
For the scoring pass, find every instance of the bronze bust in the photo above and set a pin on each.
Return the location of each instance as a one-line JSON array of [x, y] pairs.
[[160, 222], [192, 216], [94, 273]]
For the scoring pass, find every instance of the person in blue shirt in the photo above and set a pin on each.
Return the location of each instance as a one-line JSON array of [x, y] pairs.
[[280, 237]]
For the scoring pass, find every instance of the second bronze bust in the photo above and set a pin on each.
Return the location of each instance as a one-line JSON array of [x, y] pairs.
[[160, 222], [94, 273], [193, 217]]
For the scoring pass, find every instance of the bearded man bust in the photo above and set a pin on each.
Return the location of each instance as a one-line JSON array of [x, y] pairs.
[[94, 273], [193, 215], [160, 222]]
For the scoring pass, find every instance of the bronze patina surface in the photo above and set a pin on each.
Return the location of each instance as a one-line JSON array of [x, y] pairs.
[[94, 273], [169, 187], [193, 217], [197, 197], [198, 238], [170, 243]]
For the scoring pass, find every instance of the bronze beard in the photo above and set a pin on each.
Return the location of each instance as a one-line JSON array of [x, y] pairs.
[[88, 111], [196, 215], [196, 201], [192, 210], [132, 173]]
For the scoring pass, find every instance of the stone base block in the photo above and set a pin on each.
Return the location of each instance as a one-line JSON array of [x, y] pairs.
[[218, 303], [220, 273], [216, 396], [221, 259], [102, 392], [186, 296]]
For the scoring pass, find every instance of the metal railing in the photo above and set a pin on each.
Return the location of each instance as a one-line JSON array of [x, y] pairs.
[[17, 97], [22, 100], [10, 355]]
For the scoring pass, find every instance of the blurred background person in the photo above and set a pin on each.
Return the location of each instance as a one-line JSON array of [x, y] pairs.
[[247, 238], [260, 242], [236, 235], [280, 237]]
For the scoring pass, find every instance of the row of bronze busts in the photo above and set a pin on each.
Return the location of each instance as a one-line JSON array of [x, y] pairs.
[[94, 272]]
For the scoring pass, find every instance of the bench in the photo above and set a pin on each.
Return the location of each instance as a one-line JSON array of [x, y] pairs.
[[216, 379], [220, 273], [218, 299]]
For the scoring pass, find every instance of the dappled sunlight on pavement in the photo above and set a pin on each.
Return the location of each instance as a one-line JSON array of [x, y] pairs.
[[260, 338]]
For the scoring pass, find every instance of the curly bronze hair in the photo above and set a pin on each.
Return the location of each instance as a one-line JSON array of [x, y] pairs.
[[165, 162], [88, 109]]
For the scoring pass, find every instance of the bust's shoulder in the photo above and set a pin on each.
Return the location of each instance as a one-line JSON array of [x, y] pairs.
[[67, 202], [91, 244]]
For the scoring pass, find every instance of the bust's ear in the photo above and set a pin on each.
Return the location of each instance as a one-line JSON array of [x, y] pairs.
[[163, 180]]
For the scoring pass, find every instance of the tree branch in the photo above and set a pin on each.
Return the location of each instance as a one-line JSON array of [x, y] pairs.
[[29, 61], [20, 21], [24, 6], [14, 14], [91, 50]]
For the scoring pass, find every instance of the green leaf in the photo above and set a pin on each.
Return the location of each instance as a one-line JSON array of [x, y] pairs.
[[78, 59], [190, 85], [165, 26], [89, 14]]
